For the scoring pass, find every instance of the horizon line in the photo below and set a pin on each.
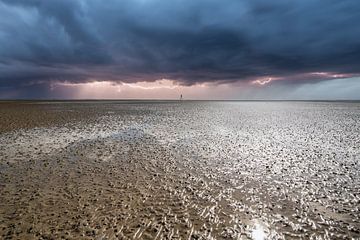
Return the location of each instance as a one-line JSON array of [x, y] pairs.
[[177, 100]]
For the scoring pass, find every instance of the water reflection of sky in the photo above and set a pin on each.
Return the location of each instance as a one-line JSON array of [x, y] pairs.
[[258, 232]]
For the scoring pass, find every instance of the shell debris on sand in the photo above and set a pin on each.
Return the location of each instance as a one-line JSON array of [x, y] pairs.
[[195, 170]]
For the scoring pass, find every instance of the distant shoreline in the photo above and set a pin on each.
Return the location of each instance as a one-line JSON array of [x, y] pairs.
[[163, 100]]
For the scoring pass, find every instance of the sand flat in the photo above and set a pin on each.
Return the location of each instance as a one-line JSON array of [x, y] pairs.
[[171, 170]]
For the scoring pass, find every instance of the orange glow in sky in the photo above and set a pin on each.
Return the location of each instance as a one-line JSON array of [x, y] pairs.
[[160, 89], [261, 88]]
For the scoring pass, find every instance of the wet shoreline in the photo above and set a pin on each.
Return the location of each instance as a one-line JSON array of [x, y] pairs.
[[198, 170]]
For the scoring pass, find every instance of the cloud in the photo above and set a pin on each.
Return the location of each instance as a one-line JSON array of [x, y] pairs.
[[188, 41]]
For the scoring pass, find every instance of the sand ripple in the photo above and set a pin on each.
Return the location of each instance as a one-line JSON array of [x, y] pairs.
[[190, 170]]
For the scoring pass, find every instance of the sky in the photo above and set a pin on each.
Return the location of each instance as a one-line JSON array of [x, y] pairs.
[[203, 49]]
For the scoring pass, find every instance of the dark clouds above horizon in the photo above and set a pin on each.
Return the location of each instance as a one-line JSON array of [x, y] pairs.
[[43, 41]]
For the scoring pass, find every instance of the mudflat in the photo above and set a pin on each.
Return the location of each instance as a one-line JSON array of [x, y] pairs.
[[179, 170]]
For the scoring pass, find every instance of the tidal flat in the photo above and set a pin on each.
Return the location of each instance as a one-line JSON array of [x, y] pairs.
[[179, 170]]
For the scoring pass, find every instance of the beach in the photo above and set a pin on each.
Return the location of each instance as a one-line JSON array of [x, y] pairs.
[[179, 170]]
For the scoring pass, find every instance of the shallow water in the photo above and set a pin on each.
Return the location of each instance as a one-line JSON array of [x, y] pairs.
[[171, 170]]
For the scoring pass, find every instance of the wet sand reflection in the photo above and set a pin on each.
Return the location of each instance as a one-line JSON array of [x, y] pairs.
[[189, 170]]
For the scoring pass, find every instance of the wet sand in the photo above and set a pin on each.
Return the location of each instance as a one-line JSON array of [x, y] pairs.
[[179, 170]]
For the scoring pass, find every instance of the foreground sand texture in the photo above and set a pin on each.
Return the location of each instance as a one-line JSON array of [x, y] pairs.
[[179, 170]]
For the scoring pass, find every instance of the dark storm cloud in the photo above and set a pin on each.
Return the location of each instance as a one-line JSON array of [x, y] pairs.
[[190, 41]]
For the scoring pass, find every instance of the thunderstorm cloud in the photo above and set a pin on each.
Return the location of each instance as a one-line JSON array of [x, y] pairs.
[[190, 42]]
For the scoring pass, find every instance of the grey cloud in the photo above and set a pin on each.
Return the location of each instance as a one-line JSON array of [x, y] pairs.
[[189, 41]]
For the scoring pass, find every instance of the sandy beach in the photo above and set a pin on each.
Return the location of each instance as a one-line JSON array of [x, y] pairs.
[[179, 170]]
